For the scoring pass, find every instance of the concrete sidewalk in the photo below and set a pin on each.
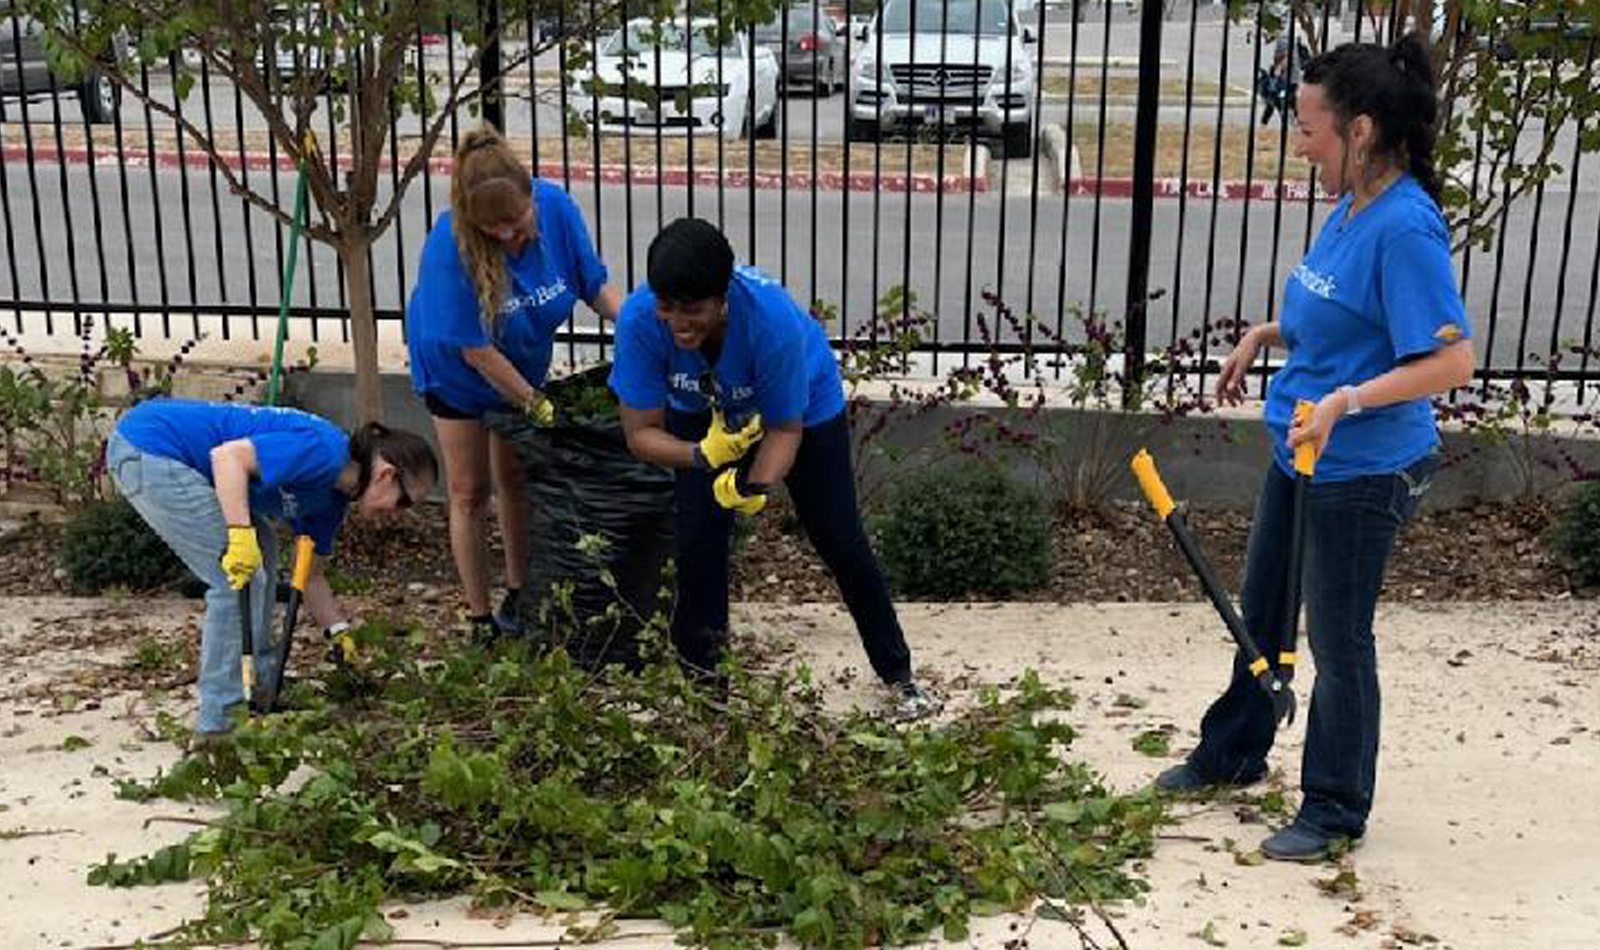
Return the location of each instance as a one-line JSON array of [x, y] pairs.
[[1483, 837]]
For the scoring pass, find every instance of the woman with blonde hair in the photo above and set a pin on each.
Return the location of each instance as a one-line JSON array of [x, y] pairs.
[[501, 271]]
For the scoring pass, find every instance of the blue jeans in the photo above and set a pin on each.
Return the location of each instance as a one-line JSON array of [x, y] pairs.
[[182, 508], [1350, 531], [822, 486]]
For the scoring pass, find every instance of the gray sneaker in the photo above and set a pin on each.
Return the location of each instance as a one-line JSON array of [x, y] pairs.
[[913, 702]]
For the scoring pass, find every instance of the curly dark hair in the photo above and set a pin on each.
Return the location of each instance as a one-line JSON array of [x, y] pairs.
[[1395, 87]]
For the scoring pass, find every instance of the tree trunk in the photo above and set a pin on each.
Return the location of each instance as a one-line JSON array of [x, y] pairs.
[[363, 324]]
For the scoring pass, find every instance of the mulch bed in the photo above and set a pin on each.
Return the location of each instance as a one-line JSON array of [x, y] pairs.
[[1486, 552]]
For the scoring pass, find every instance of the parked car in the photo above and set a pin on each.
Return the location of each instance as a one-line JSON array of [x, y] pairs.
[[958, 66], [293, 56], [649, 75], [26, 73], [809, 45]]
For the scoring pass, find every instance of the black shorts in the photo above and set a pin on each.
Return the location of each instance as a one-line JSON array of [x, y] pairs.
[[440, 409]]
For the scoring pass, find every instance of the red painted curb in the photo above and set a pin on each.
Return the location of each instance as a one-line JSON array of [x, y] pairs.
[[1224, 191], [610, 174]]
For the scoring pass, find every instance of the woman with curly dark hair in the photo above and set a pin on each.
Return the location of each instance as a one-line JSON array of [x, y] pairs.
[[1374, 326]]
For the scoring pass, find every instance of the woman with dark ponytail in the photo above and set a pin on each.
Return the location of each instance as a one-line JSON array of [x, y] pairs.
[[1374, 326], [210, 477]]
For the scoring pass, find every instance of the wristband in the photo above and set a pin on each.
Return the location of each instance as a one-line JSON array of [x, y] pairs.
[[700, 461], [1352, 404]]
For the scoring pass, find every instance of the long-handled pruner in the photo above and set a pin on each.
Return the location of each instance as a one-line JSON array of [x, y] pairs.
[[247, 647], [1277, 688], [305, 552], [1305, 466]]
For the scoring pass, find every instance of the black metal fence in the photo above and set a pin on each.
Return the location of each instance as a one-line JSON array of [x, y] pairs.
[[1155, 181]]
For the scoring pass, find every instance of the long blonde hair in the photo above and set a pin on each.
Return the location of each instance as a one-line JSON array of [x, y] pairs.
[[484, 192]]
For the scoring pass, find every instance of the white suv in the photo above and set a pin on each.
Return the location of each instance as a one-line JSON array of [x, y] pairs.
[[959, 66]]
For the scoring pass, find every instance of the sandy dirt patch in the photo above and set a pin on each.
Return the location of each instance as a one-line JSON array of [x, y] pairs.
[[1484, 836]]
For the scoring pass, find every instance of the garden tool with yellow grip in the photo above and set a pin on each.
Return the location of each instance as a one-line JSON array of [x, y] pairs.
[[240, 561], [1274, 679], [305, 552]]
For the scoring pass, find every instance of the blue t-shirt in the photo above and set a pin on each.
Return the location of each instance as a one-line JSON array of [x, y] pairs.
[[1374, 291], [774, 360], [299, 456], [549, 277]]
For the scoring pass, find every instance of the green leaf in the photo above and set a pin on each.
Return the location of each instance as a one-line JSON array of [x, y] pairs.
[[561, 900], [74, 743], [1292, 938]]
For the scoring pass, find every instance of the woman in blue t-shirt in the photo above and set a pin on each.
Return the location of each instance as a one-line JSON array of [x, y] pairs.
[[209, 477], [710, 360], [1374, 326], [501, 272]]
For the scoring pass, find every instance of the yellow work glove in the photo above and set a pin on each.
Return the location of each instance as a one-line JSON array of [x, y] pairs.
[[243, 557], [540, 409], [734, 493], [724, 447]]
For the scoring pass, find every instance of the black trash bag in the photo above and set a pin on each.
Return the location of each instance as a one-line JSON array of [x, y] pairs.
[[582, 481]]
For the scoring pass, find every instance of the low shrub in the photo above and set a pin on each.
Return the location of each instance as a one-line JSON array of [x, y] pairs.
[[953, 532], [1576, 534], [107, 544]]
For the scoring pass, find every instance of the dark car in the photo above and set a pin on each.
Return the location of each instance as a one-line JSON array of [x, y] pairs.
[[25, 71], [810, 48]]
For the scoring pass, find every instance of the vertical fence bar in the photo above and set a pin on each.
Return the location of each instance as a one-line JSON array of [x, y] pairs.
[[1144, 173], [127, 223], [844, 192], [216, 199], [184, 201], [5, 214], [93, 171], [1066, 198], [1183, 184], [783, 150], [722, 147], [1035, 135], [816, 105], [938, 200], [70, 232], [1566, 256], [1244, 205], [1216, 198], [1588, 319], [33, 178], [155, 202], [1291, 62], [1006, 64], [491, 92], [689, 80], [968, 304], [1099, 165]]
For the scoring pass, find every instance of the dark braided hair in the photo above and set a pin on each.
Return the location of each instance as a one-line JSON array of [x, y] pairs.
[[407, 451], [1392, 85]]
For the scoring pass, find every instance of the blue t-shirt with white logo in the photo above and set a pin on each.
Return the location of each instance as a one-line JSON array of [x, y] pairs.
[[299, 456], [550, 275], [774, 359], [1375, 290]]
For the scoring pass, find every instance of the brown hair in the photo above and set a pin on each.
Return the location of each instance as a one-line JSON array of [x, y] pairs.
[[407, 451], [484, 191]]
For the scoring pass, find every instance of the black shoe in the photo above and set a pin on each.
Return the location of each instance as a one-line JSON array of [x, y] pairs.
[[1304, 845], [1186, 779], [912, 702], [508, 616], [486, 630]]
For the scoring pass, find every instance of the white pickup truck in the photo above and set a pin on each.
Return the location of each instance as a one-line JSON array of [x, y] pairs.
[[945, 67]]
